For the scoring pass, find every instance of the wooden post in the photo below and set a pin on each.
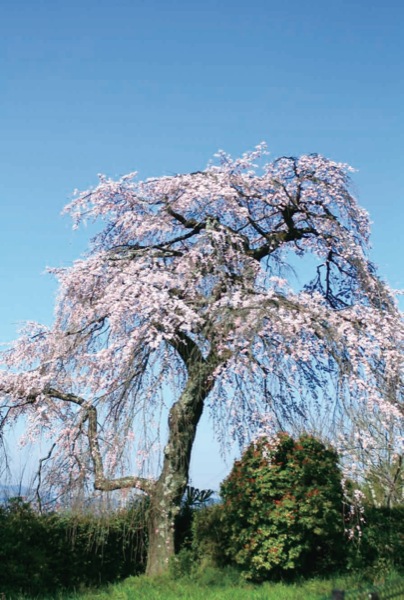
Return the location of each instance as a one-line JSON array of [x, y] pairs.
[[337, 595]]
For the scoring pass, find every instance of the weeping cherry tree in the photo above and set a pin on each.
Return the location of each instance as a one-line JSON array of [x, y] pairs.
[[187, 299]]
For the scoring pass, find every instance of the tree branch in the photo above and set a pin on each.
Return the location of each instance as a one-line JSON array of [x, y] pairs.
[[101, 482]]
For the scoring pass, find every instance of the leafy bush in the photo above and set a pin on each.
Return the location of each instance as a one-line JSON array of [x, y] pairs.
[[193, 500], [380, 547], [45, 553], [208, 539], [25, 562], [282, 511]]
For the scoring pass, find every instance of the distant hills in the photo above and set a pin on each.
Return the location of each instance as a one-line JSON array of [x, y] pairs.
[[13, 491]]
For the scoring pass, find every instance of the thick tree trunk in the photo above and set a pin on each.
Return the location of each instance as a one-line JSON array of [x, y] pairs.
[[161, 533], [166, 498]]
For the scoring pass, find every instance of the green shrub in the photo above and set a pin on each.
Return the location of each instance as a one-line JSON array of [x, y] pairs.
[[208, 541], [193, 500], [282, 509], [43, 553], [380, 547], [24, 559]]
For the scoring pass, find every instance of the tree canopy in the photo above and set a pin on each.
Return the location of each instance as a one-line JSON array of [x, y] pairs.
[[186, 299]]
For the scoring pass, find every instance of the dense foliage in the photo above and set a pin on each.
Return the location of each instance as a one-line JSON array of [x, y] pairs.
[[283, 508], [373, 553], [381, 544], [48, 552], [194, 499], [43, 554]]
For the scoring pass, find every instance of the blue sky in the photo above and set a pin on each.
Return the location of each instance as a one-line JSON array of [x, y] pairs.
[[159, 86]]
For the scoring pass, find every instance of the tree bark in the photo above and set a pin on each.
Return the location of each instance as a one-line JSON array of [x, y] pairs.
[[166, 498]]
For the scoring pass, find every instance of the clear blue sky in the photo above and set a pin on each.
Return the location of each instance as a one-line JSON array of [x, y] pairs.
[[158, 86]]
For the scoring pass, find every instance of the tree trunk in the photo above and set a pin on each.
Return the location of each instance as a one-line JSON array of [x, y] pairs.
[[166, 498], [161, 533]]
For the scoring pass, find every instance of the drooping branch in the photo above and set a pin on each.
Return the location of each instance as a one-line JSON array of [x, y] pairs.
[[39, 475], [101, 482]]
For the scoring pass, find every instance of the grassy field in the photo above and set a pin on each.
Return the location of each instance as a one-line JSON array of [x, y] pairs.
[[212, 584]]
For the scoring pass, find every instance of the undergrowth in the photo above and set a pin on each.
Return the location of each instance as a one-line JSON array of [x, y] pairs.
[[213, 584]]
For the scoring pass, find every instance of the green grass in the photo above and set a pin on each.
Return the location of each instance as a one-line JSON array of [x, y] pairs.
[[211, 584]]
